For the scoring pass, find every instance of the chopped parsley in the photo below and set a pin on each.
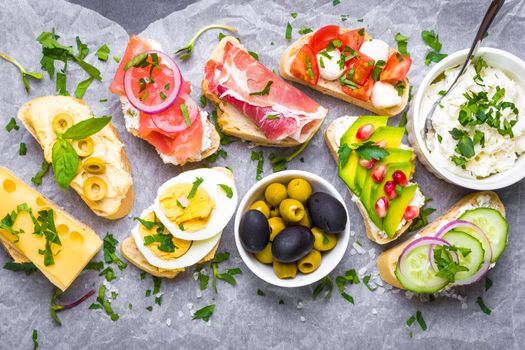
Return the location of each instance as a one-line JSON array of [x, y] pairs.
[[350, 277], [254, 55], [25, 74], [203, 101], [165, 242], [27, 267], [204, 313], [260, 293], [103, 52], [379, 65], [220, 152], [402, 42], [259, 157], [336, 2], [109, 247], [344, 154], [198, 181], [37, 179], [225, 139], [488, 283], [11, 125], [486, 310], [264, 91], [227, 190], [420, 320], [293, 14], [432, 40], [447, 267], [104, 304], [309, 69], [305, 30], [422, 220], [369, 151], [22, 149], [34, 337], [288, 32]]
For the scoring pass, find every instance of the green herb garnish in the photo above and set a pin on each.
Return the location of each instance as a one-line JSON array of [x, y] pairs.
[[344, 154], [25, 74], [204, 313], [264, 91], [288, 32], [369, 151], [185, 114], [27, 267], [11, 125], [22, 149], [109, 247], [402, 42], [379, 65], [254, 55], [366, 280], [260, 293], [55, 307], [227, 190], [34, 337], [258, 156], [103, 52], [482, 306], [327, 284], [305, 30], [185, 51], [198, 181], [37, 179]]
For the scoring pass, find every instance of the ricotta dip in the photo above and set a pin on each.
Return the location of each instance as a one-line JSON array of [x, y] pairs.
[[478, 131]]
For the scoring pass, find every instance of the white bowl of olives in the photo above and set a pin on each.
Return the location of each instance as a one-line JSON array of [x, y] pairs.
[[292, 228]]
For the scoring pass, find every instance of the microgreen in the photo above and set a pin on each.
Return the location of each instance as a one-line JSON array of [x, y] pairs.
[[186, 51], [25, 74], [56, 307]]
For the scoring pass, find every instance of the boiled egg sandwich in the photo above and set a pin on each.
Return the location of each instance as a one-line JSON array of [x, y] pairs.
[[184, 225]]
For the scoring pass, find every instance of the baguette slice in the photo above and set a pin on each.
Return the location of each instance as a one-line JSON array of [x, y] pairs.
[[387, 260], [231, 120], [79, 107], [129, 250], [372, 232], [333, 88]]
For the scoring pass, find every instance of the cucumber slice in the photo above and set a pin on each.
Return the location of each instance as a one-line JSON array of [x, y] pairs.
[[473, 260], [493, 224], [419, 276]]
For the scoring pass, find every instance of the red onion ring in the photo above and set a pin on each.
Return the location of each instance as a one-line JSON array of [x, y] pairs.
[[174, 91], [415, 244], [485, 244], [193, 111]]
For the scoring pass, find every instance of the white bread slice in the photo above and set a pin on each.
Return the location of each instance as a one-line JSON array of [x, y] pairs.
[[231, 120], [387, 260], [127, 203], [333, 88], [129, 250], [372, 232]]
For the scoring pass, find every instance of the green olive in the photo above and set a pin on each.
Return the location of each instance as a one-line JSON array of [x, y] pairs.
[[62, 122], [291, 210], [275, 193], [261, 206], [305, 221], [265, 256], [84, 147], [310, 262], [285, 270], [94, 165], [299, 189], [276, 225], [274, 212], [95, 188], [323, 241]]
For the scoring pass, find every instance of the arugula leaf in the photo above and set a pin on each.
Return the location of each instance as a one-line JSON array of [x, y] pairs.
[[205, 313], [37, 179], [25, 74], [82, 87], [486, 310], [27, 267], [198, 181], [227, 189], [103, 52], [264, 91], [86, 128], [65, 162], [402, 43], [344, 154], [368, 151]]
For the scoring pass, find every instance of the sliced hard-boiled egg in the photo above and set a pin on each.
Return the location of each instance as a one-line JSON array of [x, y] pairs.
[[329, 66], [197, 204], [164, 253], [376, 49], [385, 95]]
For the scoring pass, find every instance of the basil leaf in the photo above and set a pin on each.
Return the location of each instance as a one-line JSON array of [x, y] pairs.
[[65, 162], [86, 128]]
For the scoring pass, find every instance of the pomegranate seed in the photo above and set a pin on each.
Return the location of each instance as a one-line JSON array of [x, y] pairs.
[[378, 173], [381, 143], [399, 178], [365, 131], [381, 207], [390, 189], [368, 164], [411, 212]]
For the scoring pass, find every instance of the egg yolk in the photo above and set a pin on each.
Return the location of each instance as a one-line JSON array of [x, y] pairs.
[[181, 246], [190, 214]]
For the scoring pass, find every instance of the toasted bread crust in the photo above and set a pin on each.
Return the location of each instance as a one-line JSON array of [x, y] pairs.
[[233, 122], [129, 250], [371, 230], [387, 260], [127, 203], [333, 88]]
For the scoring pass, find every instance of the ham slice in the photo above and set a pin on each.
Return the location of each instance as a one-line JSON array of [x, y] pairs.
[[282, 112]]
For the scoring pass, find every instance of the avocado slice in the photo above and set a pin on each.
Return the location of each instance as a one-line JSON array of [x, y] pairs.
[[347, 174], [396, 209], [349, 137]]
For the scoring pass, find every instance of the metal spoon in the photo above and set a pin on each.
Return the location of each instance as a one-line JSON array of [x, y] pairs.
[[491, 13]]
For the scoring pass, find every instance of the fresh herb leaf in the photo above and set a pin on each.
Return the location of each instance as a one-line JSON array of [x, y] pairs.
[[185, 114], [22, 149], [198, 181], [264, 91], [103, 52], [108, 273], [336, 2], [260, 293], [403, 120], [327, 284], [205, 313], [56, 307], [410, 321], [203, 280], [94, 265], [348, 297], [486, 310], [370, 151], [258, 156], [435, 57], [203, 100], [293, 14], [431, 39], [227, 190], [422, 220], [225, 139], [488, 283], [288, 32], [109, 247], [27, 267], [34, 337], [254, 55], [186, 51], [82, 87], [165, 242], [465, 147], [11, 125], [378, 68], [366, 280], [305, 30], [37, 179], [344, 154], [421, 320], [402, 42], [86, 128], [25, 74], [65, 162]]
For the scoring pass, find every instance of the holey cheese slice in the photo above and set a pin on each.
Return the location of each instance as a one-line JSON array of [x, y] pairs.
[[60, 260]]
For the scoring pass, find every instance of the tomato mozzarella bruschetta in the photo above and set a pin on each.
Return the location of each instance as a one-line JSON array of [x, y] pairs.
[[350, 65], [253, 103], [158, 107]]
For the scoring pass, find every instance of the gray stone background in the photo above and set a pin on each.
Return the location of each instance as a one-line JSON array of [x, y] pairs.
[[242, 319]]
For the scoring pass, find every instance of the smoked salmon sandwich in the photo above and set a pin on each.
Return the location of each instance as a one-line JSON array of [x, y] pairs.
[[157, 105]]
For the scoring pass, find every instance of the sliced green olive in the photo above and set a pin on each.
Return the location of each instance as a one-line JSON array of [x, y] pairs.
[[284, 270], [310, 262], [95, 188], [265, 256], [84, 147], [62, 122], [94, 165], [261, 206], [291, 210]]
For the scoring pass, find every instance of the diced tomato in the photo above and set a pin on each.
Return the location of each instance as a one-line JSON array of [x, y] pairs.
[[363, 67], [396, 69], [362, 93], [353, 39], [323, 36], [304, 65]]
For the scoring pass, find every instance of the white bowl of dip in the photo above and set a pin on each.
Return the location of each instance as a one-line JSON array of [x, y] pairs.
[[438, 164]]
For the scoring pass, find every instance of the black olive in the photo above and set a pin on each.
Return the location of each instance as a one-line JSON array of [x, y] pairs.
[[292, 244], [326, 212], [254, 231]]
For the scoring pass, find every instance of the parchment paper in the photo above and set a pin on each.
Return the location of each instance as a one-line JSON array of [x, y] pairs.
[[242, 319]]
